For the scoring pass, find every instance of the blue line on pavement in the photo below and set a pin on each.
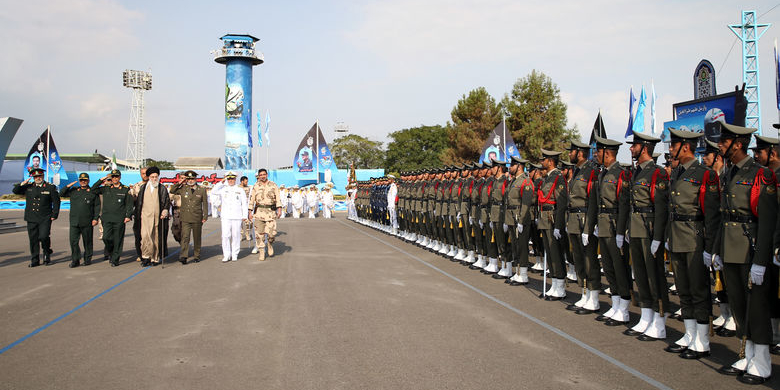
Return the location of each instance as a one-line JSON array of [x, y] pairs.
[[547, 326], [54, 321]]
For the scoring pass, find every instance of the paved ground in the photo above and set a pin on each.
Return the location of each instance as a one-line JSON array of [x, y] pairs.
[[339, 306]]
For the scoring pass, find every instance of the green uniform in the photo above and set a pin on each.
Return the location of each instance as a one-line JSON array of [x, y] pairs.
[[581, 207], [552, 215], [474, 215], [520, 211], [117, 205], [497, 210], [488, 240], [193, 211], [84, 209], [42, 204], [611, 221]]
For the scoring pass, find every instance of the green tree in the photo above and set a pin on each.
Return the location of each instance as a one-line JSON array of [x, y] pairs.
[[162, 164], [537, 116], [363, 152], [473, 117], [414, 148]]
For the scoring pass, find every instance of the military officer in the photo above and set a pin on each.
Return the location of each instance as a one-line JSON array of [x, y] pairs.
[[84, 211], [193, 212], [117, 211], [649, 194], [744, 246], [247, 229], [496, 243], [581, 207], [552, 201], [477, 260], [694, 221], [265, 208], [42, 206], [610, 228], [520, 215]]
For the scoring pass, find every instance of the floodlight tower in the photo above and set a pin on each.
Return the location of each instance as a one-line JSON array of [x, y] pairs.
[[138, 81], [749, 34], [239, 56]]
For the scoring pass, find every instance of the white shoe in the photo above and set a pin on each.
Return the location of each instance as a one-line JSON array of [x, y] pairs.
[[615, 302], [701, 343], [225, 259], [492, 266], [537, 266], [571, 274], [689, 335], [481, 263], [523, 275], [657, 328], [461, 255], [255, 250], [621, 314], [644, 320], [592, 303], [234, 259], [761, 363], [470, 257], [583, 299], [507, 270]]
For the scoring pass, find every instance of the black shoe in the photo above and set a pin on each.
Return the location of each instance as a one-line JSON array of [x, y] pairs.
[[572, 307], [114, 264], [584, 311], [497, 276], [35, 264], [87, 262], [775, 350], [723, 332], [676, 348], [631, 332], [183, 261], [601, 318], [644, 337], [730, 370], [47, 260], [552, 298], [613, 322], [473, 267], [508, 281], [514, 283], [197, 260], [691, 354], [535, 271], [750, 379], [73, 264]]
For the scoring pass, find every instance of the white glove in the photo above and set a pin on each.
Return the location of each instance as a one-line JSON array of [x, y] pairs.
[[707, 259], [491, 225], [457, 216], [666, 245], [557, 234], [654, 246], [585, 239], [717, 263], [519, 228], [471, 220], [757, 274], [628, 241], [481, 225], [566, 229], [506, 228], [776, 260], [536, 221], [619, 239], [435, 214], [596, 230]]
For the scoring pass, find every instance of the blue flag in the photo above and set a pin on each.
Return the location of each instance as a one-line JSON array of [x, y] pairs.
[[652, 108], [631, 100], [639, 119], [259, 130], [267, 125]]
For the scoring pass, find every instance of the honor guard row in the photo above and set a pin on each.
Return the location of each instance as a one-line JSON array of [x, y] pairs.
[[715, 219], [112, 204]]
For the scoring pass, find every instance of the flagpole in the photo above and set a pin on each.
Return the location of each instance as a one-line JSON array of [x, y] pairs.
[[503, 125], [48, 138], [317, 152]]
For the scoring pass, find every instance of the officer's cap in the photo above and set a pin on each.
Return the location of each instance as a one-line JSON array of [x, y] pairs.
[[479, 165], [536, 166], [684, 135], [606, 143], [282, 186], [642, 138], [763, 142], [83, 176], [550, 153], [115, 172], [576, 144], [36, 172], [497, 162], [711, 147], [518, 160], [728, 131], [656, 155], [230, 175], [565, 165], [391, 176], [190, 174], [487, 164]]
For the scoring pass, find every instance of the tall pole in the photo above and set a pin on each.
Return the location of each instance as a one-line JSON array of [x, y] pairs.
[[503, 126], [317, 153], [48, 138]]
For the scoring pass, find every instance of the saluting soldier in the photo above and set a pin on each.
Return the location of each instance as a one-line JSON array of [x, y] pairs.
[[265, 207], [42, 206], [117, 211], [581, 207], [610, 228], [84, 211], [552, 217], [694, 221], [649, 197], [193, 213], [744, 245]]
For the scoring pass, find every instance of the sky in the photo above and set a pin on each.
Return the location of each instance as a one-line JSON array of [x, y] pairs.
[[377, 66]]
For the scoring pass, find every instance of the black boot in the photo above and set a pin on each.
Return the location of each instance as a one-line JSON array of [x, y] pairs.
[[183, 260], [47, 259], [36, 261], [73, 264]]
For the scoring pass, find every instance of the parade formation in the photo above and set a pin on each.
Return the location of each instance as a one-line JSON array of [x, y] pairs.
[[713, 225]]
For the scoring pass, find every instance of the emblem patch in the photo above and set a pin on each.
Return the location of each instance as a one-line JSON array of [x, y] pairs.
[[771, 189], [662, 186]]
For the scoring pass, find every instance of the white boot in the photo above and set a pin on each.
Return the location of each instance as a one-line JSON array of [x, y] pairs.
[[701, 343], [592, 302], [644, 321], [537, 266], [615, 302], [481, 263], [553, 288], [561, 288], [621, 314], [444, 249], [742, 364], [608, 291], [761, 363], [583, 298], [255, 250], [523, 275], [507, 271], [571, 274], [470, 257], [493, 266], [725, 313], [461, 255], [690, 334], [657, 328]]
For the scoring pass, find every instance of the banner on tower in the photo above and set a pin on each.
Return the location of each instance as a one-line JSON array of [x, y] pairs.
[[702, 115], [238, 115], [493, 145]]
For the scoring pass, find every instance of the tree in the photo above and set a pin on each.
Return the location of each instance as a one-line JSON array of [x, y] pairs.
[[162, 164], [414, 148], [473, 118], [363, 152], [537, 116]]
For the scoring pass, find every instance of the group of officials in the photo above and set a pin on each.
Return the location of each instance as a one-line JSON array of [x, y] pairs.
[[712, 220], [151, 206]]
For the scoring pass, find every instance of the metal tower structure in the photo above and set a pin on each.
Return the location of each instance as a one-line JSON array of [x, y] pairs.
[[138, 81], [749, 32]]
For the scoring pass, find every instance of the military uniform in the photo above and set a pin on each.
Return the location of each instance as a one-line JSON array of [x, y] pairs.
[[552, 201], [84, 211], [745, 244], [42, 206], [193, 212], [264, 199], [519, 216], [117, 206]]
